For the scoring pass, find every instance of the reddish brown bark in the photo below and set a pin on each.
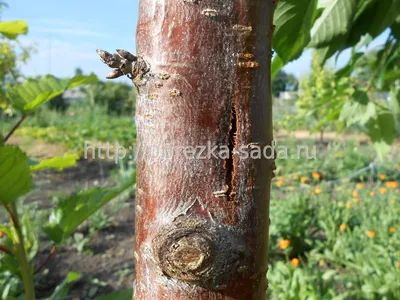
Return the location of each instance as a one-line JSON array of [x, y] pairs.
[[202, 224]]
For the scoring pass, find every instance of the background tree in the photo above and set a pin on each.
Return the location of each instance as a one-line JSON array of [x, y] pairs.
[[11, 54], [321, 98], [283, 82]]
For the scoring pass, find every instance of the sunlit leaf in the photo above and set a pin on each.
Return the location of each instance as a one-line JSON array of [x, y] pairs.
[[58, 163], [335, 21], [11, 29], [81, 80]]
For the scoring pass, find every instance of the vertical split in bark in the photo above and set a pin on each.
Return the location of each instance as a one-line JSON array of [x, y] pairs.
[[202, 224], [230, 163]]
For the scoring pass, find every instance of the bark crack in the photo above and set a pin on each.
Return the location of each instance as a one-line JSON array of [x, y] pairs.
[[230, 163]]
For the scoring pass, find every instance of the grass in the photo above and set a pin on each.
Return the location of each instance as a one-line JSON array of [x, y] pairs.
[[78, 124]]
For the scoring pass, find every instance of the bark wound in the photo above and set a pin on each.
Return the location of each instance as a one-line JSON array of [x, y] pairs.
[[229, 163]]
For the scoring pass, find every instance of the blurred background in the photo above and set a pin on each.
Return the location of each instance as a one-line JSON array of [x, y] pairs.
[[334, 218]]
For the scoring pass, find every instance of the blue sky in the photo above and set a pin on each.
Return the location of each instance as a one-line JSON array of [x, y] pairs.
[[67, 33]]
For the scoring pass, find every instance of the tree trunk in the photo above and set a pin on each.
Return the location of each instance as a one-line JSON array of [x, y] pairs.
[[204, 81]]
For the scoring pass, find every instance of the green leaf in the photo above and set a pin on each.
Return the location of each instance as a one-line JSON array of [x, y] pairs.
[[81, 80], [39, 100], [30, 95], [73, 211], [359, 110], [382, 131], [277, 65], [11, 29], [120, 295], [61, 291], [293, 20], [335, 21], [57, 162], [15, 176], [373, 17]]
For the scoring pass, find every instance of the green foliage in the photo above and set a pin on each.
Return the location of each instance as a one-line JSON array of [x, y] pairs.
[[11, 53], [322, 97], [15, 177], [283, 82], [334, 22], [330, 26], [80, 123], [117, 97], [33, 93], [293, 20], [72, 212], [360, 111]]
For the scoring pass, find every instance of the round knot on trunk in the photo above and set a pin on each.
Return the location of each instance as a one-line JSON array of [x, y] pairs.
[[188, 255], [197, 251], [184, 252]]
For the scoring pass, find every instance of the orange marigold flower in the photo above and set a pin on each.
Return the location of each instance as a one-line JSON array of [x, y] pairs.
[[2, 234], [303, 179], [382, 176], [295, 262], [349, 204], [371, 233], [283, 244], [372, 194], [355, 193], [383, 190], [317, 190], [357, 200], [392, 229], [316, 175], [392, 184], [343, 227], [279, 183], [397, 265]]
